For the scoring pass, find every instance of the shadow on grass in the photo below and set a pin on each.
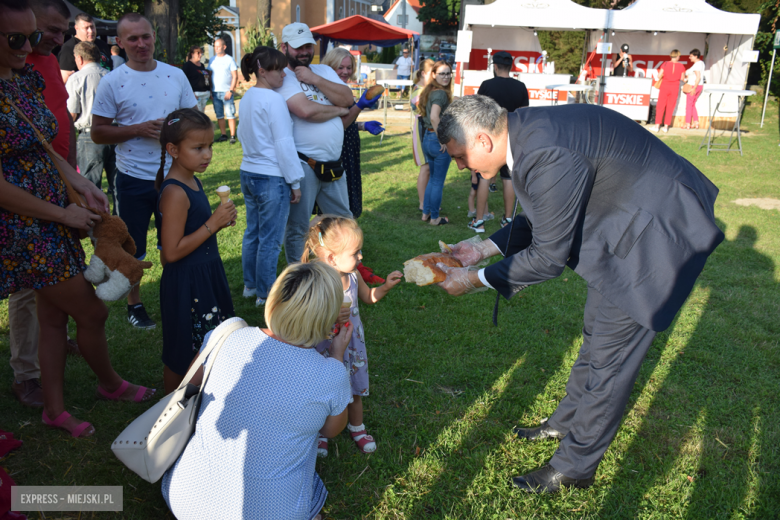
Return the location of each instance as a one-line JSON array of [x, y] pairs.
[[699, 439]]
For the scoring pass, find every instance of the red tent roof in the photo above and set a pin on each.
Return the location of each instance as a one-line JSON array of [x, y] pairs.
[[361, 28]]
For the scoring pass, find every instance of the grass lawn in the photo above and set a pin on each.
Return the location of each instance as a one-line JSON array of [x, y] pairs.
[[701, 432]]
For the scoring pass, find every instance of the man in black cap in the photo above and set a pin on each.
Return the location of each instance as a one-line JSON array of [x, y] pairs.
[[510, 94], [622, 65]]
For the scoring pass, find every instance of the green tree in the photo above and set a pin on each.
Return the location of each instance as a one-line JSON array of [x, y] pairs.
[[439, 15], [197, 19]]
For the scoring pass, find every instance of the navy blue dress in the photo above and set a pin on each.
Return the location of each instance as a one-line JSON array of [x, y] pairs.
[[194, 291], [350, 160]]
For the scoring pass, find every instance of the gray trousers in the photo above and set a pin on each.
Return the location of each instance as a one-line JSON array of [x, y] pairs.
[[332, 199], [23, 335], [600, 383]]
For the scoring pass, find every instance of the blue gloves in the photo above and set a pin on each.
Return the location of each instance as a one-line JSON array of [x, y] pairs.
[[364, 103], [373, 127]]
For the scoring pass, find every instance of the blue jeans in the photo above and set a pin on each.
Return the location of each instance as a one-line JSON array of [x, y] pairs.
[[439, 163], [267, 201], [223, 109]]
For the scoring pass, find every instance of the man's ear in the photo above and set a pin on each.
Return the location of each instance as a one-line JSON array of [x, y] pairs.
[[485, 141]]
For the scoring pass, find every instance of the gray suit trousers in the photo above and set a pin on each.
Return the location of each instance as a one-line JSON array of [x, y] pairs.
[[600, 383]]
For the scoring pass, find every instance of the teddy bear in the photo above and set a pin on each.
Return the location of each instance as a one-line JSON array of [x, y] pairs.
[[113, 269]]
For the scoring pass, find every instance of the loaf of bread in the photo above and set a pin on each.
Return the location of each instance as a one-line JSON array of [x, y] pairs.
[[422, 269], [375, 91]]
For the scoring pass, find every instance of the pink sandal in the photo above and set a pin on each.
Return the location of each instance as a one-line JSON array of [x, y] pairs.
[[60, 420], [139, 396], [322, 447], [361, 443]]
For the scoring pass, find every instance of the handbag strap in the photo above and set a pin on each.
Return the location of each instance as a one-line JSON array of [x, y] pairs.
[[214, 345], [73, 195]]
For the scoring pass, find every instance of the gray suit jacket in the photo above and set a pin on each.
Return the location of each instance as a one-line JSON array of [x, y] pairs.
[[610, 200]]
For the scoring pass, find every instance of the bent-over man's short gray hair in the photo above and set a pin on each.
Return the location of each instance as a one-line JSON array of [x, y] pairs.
[[469, 115]]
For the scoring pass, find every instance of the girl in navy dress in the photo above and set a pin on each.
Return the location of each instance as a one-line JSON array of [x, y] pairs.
[[194, 292]]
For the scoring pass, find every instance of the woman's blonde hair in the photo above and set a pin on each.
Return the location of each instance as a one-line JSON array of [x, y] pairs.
[[304, 303], [425, 68], [674, 54], [329, 233], [335, 56], [432, 85]]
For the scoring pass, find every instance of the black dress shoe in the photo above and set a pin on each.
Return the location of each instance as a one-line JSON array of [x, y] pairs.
[[548, 480], [543, 431]]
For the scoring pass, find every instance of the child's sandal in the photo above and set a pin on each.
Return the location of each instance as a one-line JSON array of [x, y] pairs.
[[322, 447], [364, 442]]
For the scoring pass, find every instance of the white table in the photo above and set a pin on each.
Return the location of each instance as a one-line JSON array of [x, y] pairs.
[[568, 88], [393, 82], [708, 137]]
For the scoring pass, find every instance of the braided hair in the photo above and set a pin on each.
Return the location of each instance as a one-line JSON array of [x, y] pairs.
[[175, 129], [329, 233]]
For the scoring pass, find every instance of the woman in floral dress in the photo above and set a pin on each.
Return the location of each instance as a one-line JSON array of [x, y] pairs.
[[39, 246]]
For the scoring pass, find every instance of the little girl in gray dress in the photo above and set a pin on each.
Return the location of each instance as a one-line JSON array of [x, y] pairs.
[[337, 241]]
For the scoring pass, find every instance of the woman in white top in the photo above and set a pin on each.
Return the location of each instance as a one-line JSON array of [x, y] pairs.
[[694, 77], [270, 172]]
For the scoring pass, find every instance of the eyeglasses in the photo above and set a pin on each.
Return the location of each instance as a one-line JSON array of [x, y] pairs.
[[16, 40], [445, 74]]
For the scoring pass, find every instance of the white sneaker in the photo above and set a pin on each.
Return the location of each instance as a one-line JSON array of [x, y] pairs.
[[259, 302], [249, 293]]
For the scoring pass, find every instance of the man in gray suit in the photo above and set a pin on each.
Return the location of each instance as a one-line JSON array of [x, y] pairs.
[[614, 203]]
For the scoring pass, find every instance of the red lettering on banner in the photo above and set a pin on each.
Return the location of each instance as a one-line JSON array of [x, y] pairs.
[[478, 60], [638, 100]]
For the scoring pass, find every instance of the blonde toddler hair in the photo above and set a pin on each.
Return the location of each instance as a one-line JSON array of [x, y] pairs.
[[329, 233], [304, 303]]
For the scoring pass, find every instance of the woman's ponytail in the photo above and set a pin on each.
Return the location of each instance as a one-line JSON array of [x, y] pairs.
[[161, 172], [248, 66]]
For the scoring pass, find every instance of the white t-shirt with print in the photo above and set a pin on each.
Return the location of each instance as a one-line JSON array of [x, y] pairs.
[[221, 68], [691, 73], [133, 97], [320, 141]]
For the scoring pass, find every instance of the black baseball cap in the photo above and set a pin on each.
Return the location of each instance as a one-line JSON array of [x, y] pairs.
[[503, 58], [624, 47]]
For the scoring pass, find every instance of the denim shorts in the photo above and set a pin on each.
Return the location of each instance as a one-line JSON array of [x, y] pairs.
[[223, 109]]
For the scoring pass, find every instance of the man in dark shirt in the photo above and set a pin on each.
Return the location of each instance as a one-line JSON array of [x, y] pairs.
[[85, 32], [510, 94]]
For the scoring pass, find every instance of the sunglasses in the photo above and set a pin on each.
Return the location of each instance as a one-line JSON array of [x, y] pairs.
[[16, 40], [445, 74]]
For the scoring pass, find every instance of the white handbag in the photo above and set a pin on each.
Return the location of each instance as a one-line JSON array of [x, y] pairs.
[[152, 443]]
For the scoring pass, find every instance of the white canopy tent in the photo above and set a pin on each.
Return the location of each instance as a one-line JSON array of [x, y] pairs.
[[510, 25], [548, 15], [652, 28]]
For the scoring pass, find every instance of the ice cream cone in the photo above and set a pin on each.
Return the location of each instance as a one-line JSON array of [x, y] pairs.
[[224, 193]]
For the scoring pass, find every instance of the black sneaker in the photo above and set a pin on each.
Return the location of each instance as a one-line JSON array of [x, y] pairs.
[[136, 315], [493, 187], [222, 138], [233, 140]]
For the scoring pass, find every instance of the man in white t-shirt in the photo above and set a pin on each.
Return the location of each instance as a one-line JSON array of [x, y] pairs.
[[224, 78], [317, 100], [139, 96], [403, 66]]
